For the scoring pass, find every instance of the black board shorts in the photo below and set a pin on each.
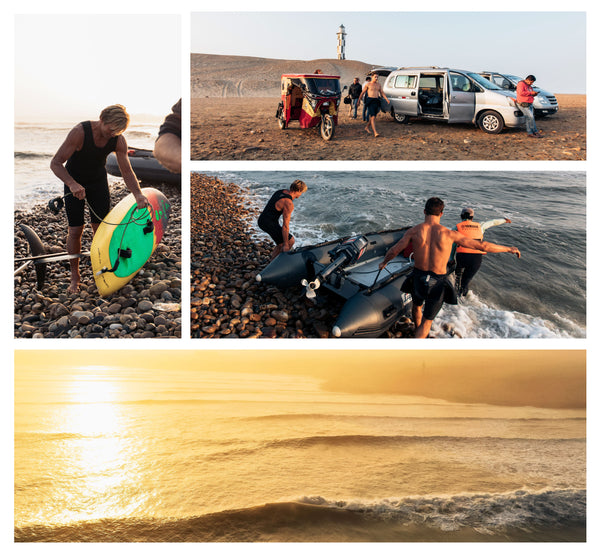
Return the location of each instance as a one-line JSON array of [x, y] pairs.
[[274, 230], [432, 290], [372, 106], [97, 196]]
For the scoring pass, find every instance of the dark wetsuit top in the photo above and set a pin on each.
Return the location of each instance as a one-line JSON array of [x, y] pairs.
[[86, 166], [268, 220], [433, 290]]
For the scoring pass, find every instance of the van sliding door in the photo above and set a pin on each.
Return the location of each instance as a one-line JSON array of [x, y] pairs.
[[461, 98], [402, 92]]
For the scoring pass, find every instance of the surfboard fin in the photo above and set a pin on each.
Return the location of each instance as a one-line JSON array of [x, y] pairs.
[[37, 247]]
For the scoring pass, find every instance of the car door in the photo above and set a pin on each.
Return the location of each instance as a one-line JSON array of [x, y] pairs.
[[461, 98], [401, 89]]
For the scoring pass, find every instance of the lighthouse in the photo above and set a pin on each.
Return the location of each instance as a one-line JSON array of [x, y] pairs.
[[341, 43]]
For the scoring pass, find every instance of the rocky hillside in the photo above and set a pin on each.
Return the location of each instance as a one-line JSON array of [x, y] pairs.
[[226, 76]]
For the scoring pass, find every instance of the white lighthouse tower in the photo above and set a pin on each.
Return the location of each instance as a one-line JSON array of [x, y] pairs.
[[341, 43]]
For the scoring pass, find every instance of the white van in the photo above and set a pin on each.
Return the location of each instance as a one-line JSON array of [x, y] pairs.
[[545, 103], [451, 95]]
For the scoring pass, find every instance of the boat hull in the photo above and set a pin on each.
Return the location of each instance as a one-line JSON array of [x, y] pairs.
[[374, 298], [145, 166]]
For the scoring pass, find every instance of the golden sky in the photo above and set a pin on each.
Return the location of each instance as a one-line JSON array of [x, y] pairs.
[[542, 378]]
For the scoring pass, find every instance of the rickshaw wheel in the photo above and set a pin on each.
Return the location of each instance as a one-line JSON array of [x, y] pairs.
[[281, 122], [327, 127]]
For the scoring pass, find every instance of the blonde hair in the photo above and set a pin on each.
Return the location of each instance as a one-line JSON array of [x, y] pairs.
[[116, 117], [298, 186]]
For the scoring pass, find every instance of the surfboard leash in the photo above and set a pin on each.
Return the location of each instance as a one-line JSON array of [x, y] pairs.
[[57, 204]]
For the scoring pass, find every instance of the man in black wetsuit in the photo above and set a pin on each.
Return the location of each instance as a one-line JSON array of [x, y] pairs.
[[281, 203], [79, 164]]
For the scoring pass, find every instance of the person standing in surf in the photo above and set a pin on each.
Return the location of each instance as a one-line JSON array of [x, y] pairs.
[[431, 245], [79, 164], [281, 204], [374, 91], [468, 260]]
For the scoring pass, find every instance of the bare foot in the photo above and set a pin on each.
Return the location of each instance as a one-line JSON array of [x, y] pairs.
[[73, 288], [367, 130]]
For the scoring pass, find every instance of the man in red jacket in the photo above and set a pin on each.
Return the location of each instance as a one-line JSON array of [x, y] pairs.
[[525, 96]]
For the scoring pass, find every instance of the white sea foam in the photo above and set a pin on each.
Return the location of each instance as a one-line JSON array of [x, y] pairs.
[[484, 512]]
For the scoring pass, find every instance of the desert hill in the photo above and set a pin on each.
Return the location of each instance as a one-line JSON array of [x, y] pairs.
[[226, 76]]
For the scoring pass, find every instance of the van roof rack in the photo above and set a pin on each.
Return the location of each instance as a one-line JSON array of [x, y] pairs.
[[422, 67]]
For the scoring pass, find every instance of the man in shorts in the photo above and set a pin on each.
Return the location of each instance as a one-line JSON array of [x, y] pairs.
[[373, 91], [281, 204], [432, 244], [80, 164]]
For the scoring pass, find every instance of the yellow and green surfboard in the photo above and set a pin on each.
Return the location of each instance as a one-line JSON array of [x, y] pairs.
[[126, 239]]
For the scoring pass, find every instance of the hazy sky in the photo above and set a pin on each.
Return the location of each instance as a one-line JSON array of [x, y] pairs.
[[551, 45], [541, 378], [72, 66]]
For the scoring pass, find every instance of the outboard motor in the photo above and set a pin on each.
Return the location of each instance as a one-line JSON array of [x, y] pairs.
[[348, 252]]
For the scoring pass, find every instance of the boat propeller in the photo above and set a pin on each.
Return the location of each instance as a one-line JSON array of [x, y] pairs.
[[346, 253]]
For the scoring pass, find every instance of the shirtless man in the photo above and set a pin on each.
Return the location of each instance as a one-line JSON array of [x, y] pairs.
[[374, 91], [79, 164], [281, 204], [432, 244], [167, 148]]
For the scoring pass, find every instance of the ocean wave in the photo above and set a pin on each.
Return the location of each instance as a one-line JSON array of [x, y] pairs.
[[520, 515], [475, 318], [485, 512], [26, 155], [353, 417], [382, 441]]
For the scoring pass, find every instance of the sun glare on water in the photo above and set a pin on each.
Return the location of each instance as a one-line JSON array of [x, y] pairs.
[[102, 466]]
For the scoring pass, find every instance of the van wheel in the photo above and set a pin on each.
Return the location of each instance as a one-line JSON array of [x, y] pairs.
[[491, 122], [399, 117], [327, 127]]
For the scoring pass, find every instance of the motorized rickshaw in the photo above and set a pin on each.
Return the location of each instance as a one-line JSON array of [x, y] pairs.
[[312, 99]]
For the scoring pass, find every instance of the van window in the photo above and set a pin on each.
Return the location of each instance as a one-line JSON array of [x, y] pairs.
[[460, 82], [405, 81], [502, 82], [431, 82]]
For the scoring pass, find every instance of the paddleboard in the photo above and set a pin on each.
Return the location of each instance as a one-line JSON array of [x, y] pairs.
[[126, 239]]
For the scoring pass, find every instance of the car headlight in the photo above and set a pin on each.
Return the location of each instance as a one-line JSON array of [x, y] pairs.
[[511, 101], [543, 100]]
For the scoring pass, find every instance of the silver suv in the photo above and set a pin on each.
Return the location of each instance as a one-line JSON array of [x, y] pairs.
[[545, 103]]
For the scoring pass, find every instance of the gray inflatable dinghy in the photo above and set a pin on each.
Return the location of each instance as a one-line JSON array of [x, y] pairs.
[[145, 166], [349, 267]]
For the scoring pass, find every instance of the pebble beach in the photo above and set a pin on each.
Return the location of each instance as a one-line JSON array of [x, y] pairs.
[[149, 306], [226, 254]]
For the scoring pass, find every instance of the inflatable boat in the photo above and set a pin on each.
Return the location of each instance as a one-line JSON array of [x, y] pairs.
[[145, 166], [349, 267]]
